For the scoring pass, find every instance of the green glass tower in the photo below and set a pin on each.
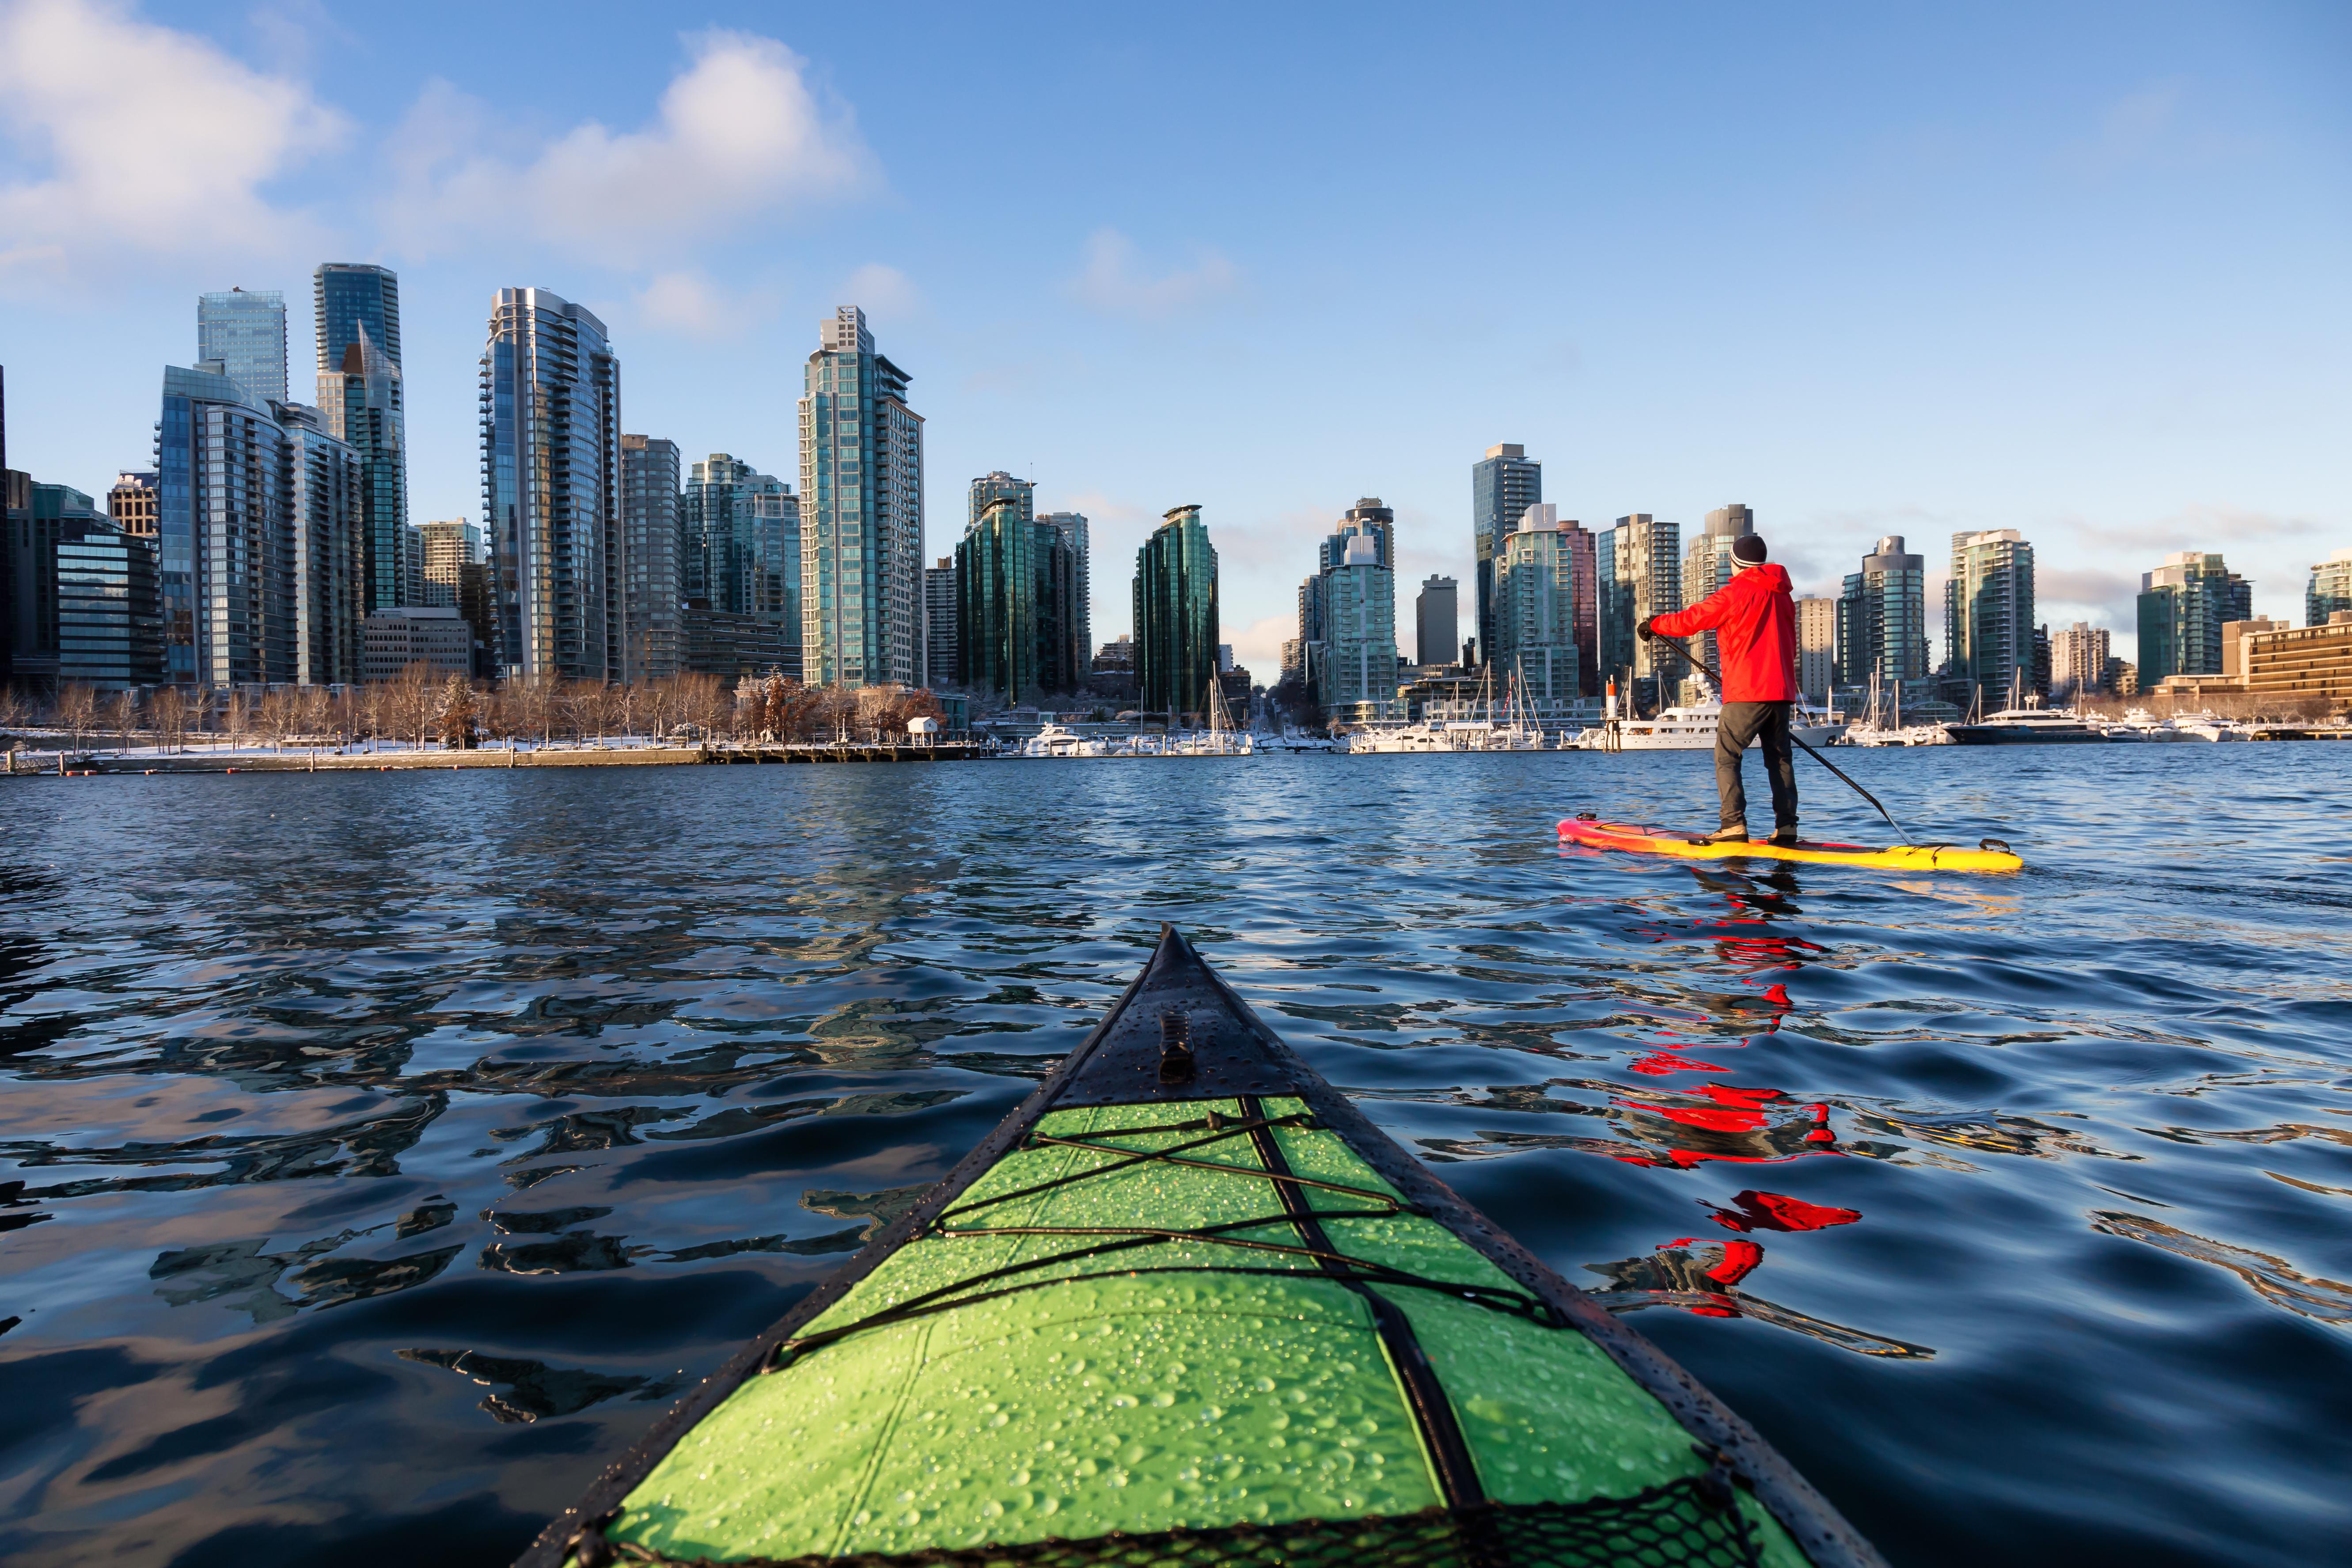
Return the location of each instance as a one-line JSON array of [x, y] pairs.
[[2183, 606], [996, 590], [1176, 615]]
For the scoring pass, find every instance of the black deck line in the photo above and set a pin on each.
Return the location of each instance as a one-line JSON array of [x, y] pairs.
[[1266, 1066]]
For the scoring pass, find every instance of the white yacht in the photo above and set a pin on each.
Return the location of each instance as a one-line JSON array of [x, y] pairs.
[[1691, 729], [2025, 727], [1054, 741], [2205, 727]]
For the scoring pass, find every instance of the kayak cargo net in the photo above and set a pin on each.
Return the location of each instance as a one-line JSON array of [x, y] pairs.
[[1692, 1522]]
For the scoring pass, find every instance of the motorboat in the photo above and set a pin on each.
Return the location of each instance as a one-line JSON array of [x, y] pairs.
[[1690, 729], [1056, 740], [2027, 727]]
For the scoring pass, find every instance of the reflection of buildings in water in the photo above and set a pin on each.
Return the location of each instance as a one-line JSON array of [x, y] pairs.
[[1992, 1134], [2272, 1279], [1703, 1283]]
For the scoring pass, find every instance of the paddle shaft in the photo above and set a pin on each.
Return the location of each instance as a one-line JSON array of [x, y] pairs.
[[1716, 675]]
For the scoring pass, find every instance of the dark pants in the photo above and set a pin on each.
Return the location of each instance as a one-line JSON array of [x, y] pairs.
[[1742, 723]]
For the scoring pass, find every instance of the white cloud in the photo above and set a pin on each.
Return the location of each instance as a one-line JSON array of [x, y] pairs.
[[150, 139], [740, 135], [1114, 282], [881, 291], [688, 301], [1258, 645]]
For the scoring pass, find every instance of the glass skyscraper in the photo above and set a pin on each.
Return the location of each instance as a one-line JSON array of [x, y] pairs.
[[651, 512], [997, 578], [742, 531], [1175, 606], [551, 402], [2329, 590], [244, 332], [2183, 604], [1503, 484], [1637, 576], [1535, 600], [1882, 618], [1989, 616], [861, 514], [1347, 610], [1073, 528], [351, 296]]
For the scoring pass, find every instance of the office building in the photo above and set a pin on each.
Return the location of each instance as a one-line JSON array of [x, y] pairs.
[[1639, 575], [2329, 590], [131, 503], [110, 620], [940, 624], [1989, 618], [1882, 628], [1175, 599], [1536, 611], [432, 636], [550, 401], [1709, 566], [862, 514], [1073, 528], [260, 521], [2183, 606], [2078, 662], [1817, 642], [1436, 621], [244, 333], [654, 546], [2302, 662], [1503, 484]]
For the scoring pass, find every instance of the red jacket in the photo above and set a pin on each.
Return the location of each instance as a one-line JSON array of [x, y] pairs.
[[1755, 625]]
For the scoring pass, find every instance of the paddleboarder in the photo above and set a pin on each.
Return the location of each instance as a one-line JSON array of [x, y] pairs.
[[1754, 619]]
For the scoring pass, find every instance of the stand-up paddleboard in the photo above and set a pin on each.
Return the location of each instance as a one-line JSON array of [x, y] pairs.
[[1990, 854], [1185, 1306]]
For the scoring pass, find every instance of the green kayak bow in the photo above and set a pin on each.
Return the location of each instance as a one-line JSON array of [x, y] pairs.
[[1187, 1306]]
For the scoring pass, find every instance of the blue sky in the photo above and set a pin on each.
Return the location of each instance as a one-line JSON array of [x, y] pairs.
[[2074, 269]]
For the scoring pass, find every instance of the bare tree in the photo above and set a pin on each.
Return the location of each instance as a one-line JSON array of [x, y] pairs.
[[200, 709], [122, 717], [274, 715], [169, 712], [315, 711], [240, 713], [457, 713], [77, 709]]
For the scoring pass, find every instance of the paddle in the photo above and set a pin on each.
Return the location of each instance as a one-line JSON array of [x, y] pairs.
[[1716, 675]]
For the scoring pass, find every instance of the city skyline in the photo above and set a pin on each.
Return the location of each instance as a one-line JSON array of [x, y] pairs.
[[1981, 388]]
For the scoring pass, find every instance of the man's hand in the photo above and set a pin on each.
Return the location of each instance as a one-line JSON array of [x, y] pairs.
[[1644, 630]]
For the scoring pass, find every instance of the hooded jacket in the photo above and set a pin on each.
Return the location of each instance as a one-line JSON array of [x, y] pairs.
[[1755, 625]]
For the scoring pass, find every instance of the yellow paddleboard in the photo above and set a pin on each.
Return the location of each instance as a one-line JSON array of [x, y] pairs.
[[1991, 855]]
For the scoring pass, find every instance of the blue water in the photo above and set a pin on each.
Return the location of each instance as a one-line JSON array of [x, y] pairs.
[[393, 1147]]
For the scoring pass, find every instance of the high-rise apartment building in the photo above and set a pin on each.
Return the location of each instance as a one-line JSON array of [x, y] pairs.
[[260, 516], [356, 318], [1356, 659], [450, 547], [862, 514], [131, 503], [654, 547], [550, 401], [350, 299], [1707, 565], [1503, 484], [942, 627], [244, 333], [2078, 660], [997, 577], [1175, 606], [743, 532], [2329, 590], [1988, 615], [109, 625], [1536, 604], [1639, 576], [1817, 627], [1073, 528], [1437, 622], [1369, 516], [2183, 606], [1883, 617]]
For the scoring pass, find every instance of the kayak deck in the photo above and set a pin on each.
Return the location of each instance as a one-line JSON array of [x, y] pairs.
[[1688, 846], [1186, 1306]]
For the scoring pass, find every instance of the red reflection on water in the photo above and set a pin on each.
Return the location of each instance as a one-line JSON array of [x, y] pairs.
[[1752, 1210]]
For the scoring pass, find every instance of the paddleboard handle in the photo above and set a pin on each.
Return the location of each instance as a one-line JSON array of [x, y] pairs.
[[2002, 845]]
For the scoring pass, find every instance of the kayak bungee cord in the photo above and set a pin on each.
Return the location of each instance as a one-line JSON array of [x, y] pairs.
[[1335, 1263], [1716, 675]]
